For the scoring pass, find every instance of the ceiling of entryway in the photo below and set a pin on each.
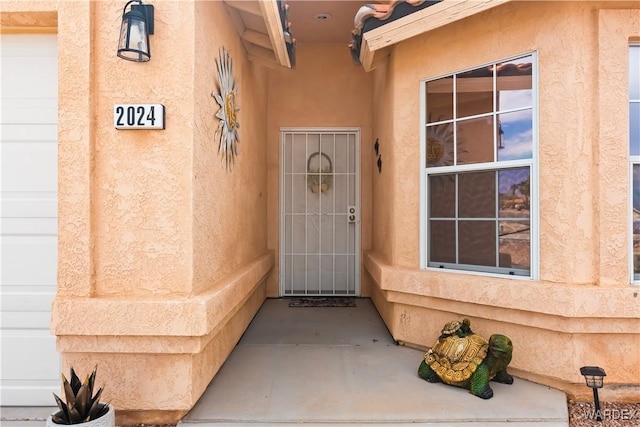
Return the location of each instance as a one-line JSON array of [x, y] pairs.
[[307, 28], [259, 24], [312, 21]]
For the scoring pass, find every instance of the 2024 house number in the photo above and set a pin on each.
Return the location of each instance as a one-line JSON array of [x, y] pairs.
[[138, 116]]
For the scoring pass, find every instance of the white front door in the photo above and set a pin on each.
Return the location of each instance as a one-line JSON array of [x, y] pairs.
[[320, 212], [28, 218]]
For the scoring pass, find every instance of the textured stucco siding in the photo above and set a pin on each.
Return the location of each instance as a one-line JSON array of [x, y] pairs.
[[162, 252], [582, 309]]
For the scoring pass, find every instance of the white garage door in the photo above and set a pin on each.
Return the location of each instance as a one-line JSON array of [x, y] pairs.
[[29, 224]]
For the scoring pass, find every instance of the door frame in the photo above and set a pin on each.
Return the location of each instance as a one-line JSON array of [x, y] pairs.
[[357, 131]]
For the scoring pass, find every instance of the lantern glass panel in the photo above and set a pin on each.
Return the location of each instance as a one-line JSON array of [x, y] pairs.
[[134, 38]]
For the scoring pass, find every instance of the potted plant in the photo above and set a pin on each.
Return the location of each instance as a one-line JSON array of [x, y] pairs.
[[82, 406]]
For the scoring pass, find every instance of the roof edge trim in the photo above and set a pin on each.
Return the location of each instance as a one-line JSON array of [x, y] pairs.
[[422, 21]]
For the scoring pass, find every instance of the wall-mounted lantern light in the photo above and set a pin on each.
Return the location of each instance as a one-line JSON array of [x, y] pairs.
[[137, 24], [594, 376]]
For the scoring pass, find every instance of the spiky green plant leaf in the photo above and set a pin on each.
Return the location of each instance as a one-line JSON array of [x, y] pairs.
[[81, 405], [92, 380], [96, 397], [75, 382], [75, 417], [98, 410], [82, 399], [58, 418], [69, 392], [63, 414]]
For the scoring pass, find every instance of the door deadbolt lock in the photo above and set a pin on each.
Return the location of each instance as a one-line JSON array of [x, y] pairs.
[[352, 213]]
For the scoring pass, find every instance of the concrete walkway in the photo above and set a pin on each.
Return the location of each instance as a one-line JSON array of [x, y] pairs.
[[340, 366]]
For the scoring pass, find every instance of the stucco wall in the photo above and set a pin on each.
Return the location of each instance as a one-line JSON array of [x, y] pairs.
[[325, 90], [582, 306], [385, 186], [141, 210], [230, 226], [163, 253]]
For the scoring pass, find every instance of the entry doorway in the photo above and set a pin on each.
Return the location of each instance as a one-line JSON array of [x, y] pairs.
[[320, 212]]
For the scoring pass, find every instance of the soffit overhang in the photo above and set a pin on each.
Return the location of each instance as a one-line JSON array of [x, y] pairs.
[[264, 29], [375, 45]]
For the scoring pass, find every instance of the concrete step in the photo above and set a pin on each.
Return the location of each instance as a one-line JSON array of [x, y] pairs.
[[19, 416]]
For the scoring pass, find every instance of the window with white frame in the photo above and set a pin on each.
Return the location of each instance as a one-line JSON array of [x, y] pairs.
[[634, 153], [478, 145]]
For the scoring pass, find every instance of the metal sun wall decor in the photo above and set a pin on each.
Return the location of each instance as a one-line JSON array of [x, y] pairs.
[[227, 132]]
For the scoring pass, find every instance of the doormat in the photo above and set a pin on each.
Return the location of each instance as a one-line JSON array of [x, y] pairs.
[[323, 302]]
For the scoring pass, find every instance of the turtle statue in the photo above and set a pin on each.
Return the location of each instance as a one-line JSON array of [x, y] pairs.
[[464, 359]]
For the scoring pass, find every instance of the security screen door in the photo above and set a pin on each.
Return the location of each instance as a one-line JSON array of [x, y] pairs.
[[320, 219]]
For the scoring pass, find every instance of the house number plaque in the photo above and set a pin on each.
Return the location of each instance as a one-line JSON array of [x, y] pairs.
[[138, 116]]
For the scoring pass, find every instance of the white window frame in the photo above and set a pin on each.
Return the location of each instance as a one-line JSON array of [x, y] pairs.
[[633, 160], [532, 163]]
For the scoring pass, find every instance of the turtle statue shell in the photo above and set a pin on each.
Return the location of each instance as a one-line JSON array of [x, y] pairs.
[[462, 358], [451, 327], [454, 359]]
